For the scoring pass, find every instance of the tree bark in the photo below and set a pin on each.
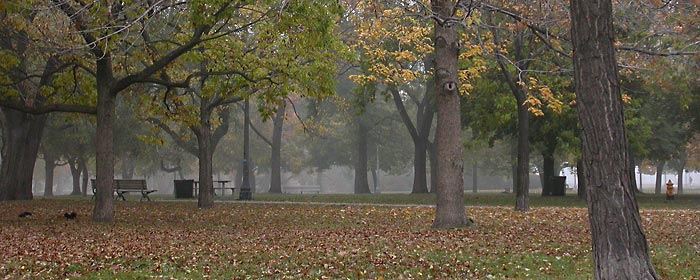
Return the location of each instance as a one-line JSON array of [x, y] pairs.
[[49, 166], [659, 176], [75, 175], [420, 171], [547, 170], [276, 158], [86, 176], [633, 179], [205, 199], [580, 170], [450, 212], [21, 137], [620, 248], [103, 212], [375, 179], [522, 180], [361, 180]]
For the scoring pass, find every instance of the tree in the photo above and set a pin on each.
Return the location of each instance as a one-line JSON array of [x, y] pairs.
[[395, 53], [34, 77], [620, 248], [270, 58], [96, 25], [450, 184], [276, 155], [167, 30]]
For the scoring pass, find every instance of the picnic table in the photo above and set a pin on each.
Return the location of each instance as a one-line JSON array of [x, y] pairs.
[[218, 185]]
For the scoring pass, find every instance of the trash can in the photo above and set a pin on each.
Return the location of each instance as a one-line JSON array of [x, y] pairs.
[[556, 186], [183, 188]]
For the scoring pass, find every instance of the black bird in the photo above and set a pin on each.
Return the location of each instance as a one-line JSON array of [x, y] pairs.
[[25, 214], [70, 216]]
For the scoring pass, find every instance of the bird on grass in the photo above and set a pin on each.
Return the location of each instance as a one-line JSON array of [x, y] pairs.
[[25, 214], [70, 216]]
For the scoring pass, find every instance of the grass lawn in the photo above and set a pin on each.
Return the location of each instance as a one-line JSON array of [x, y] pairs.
[[312, 241]]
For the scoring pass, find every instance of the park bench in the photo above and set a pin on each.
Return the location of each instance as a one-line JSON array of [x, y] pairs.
[[302, 189], [125, 186]]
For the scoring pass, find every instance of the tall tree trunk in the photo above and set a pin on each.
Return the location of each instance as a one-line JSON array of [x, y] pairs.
[[522, 174], [245, 193], [522, 180], [205, 199], [580, 170], [620, 248], [49, 166], [659, 176], [419, 134], [21, 137], [276, 158], [86, 176], [420, 180], [75, 175], [547, 170], [103, 212], [450, 211], [361, 184], [633, 179]]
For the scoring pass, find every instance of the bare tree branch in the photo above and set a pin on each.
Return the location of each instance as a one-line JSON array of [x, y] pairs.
[[47, 108], [261, 136], [654, 53]]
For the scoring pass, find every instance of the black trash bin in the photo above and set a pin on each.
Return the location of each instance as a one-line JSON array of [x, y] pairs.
[[183, 188], [556, 186]]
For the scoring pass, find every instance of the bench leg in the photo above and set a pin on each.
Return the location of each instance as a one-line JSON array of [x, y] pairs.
[[145, 195], [120, 195]]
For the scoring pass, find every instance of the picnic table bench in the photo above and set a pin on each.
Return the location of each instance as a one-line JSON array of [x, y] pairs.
[[125, 186]]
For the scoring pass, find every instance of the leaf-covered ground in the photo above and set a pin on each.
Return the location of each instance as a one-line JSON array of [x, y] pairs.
[[165, 240]]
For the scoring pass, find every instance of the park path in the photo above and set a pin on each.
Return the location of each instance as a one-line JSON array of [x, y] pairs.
[[339, 204]]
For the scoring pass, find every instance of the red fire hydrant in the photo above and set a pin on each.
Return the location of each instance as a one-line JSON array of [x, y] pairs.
[[669, 191]]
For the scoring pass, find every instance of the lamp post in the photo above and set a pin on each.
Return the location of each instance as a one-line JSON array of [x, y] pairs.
[[245, 193]]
